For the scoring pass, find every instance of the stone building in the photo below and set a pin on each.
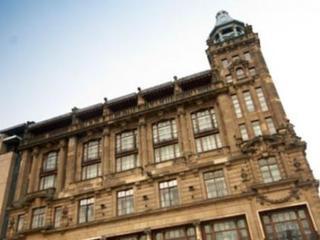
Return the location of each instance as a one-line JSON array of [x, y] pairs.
[[209, 156]]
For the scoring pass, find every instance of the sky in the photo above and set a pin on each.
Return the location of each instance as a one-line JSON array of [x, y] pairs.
[[55, 55]]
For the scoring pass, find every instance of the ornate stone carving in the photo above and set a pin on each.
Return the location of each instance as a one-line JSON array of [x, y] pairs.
[[292, 193]]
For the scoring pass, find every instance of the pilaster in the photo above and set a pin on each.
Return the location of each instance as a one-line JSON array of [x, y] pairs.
[[61, 165], [71, 160]]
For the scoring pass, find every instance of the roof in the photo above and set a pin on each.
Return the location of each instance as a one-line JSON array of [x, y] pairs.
[[123, 101]]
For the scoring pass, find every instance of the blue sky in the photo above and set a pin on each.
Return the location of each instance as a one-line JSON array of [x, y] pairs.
[[55, 55]]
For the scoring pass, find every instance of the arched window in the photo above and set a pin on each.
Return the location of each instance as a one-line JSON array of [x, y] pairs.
[[240, 73]]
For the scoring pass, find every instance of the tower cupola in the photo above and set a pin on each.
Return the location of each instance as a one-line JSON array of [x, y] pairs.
[[226, 28]]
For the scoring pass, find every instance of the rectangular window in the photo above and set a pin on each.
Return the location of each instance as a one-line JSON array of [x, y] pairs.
[[225, 63], [252, 72], [233, 229], [269, 170], [91, 150], [215, 184], [243, 132], [262, 100], [236, 106], [38, 218], [47, 182], [248, 101], [50, 162], [256, 128], [271, 127], [48, 171], [169, 193], [247, 56], [126, 141], [165, 141], [167, 152], [91, 162], [86, 210], [177, 233], [126, 150], [229, 78], [208, 143], [164, 131], [91, 171], [127, 162], [57, 217], [204, 120], [292, 223], [125, 202], [20, 223]]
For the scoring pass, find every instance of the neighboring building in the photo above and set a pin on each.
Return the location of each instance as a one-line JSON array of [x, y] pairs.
[[9, 167], [206, 157]]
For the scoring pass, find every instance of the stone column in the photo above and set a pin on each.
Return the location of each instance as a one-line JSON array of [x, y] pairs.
[[71, 160], [34, 173], [147, 232], [197, 227], [24, 168], [142, 141], [225, 118], [105, 158], [61, 165], [185, 139]]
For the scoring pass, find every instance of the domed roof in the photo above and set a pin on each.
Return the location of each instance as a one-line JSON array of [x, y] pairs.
[[226, 27]]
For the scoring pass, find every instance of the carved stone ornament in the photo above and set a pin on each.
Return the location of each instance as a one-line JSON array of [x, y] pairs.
[[293, 193]]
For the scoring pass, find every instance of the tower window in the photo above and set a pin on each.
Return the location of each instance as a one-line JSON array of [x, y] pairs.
[[243, 132], [262, 99], [252, 72], [271, 127], [247, 56], [256, 128], [236, 106], [248, 101], [240, 73], [225, 63]]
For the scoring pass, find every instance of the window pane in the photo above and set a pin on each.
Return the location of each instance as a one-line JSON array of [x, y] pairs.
[[125, 202], [50, 163], [169, 195], [164, 131], [271, 127], [47, 182], [91, 171], [209, 142], [38, 218], [167, 152], [262, 100], [92, 150], [57, 216], [256, 128], [215, 184], [269, 170], [126, 141], [236, 106], [86, 210], [243, 132], [248, 101], [20, 223], [127, 162]]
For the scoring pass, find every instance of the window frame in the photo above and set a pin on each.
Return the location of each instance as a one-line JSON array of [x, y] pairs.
[[170, 191], [128, 197], [40, 218], [164, 232], [55, 225], [87, 207], [269, 170], [46, 173], [21, 219], [206, 180], [86, 162], [248, 100], [299, 219], [234, 219]]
